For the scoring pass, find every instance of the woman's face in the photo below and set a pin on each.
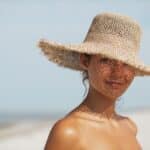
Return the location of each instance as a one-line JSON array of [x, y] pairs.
[[108, 76]]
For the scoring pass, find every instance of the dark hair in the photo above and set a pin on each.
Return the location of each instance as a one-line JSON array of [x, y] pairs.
[[84, 79], [85, 76]]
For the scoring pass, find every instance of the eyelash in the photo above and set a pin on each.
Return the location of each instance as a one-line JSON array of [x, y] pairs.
[[106, 60]]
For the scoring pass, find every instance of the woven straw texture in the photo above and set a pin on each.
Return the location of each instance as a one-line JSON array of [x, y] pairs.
[[110, 34]]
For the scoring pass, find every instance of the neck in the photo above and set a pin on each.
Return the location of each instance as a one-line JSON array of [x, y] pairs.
[[98, 103]]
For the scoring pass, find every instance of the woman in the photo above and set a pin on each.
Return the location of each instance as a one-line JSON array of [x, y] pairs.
[[109, 59]]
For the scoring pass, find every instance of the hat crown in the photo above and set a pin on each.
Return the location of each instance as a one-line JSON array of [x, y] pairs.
[[119, 26]]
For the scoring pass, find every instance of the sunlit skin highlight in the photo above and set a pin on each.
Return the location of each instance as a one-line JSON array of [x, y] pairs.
[[90, 125]]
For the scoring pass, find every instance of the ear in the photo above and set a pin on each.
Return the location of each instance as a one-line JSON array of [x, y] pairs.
[[84, 61]]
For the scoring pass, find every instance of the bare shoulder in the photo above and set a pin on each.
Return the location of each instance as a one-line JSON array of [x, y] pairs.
[[132, 125], [63, 135]]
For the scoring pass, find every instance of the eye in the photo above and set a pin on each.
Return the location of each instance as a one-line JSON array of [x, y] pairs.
[[126, 65], [105, 60]]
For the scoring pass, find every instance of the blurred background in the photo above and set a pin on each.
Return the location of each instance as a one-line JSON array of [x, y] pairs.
[[32, 88]]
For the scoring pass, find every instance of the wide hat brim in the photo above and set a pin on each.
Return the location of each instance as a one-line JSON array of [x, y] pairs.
[[67, 55]]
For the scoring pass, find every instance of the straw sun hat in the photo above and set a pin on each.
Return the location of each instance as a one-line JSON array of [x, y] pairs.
[[113, 35]]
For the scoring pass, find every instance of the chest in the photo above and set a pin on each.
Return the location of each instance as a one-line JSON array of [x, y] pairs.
[[108, 137]]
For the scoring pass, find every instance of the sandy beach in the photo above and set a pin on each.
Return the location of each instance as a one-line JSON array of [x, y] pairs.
[[32, 135]]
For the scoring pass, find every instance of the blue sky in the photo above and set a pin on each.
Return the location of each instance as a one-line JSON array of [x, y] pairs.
[[29, 82]]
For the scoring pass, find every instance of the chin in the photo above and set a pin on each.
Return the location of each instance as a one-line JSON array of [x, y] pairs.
[[113, 96]]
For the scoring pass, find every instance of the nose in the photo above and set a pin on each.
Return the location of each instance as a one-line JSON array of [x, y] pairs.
[[118, 67], [119, 63]]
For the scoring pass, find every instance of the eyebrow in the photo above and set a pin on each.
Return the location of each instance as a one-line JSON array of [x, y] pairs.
[[113, 59]]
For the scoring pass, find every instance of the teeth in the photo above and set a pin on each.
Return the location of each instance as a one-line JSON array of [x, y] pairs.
[[115, 82]]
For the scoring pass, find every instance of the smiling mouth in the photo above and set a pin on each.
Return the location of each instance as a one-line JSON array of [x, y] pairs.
[[115, 84], [115, 81]]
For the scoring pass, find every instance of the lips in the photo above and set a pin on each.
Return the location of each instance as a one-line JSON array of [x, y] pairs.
[[115, 83]]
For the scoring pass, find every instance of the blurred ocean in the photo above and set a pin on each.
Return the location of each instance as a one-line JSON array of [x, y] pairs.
[[8, 120]]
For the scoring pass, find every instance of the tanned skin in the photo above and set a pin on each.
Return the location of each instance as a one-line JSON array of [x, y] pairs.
[[90, 126]]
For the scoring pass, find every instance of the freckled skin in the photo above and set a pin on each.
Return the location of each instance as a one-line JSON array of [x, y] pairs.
[[101, 69], [89, 126]]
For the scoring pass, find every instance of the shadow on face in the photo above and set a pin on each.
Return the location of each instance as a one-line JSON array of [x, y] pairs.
[[104, 72]]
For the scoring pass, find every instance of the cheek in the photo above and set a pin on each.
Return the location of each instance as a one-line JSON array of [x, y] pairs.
[[94, 75], [97, 76], [129, 76]]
